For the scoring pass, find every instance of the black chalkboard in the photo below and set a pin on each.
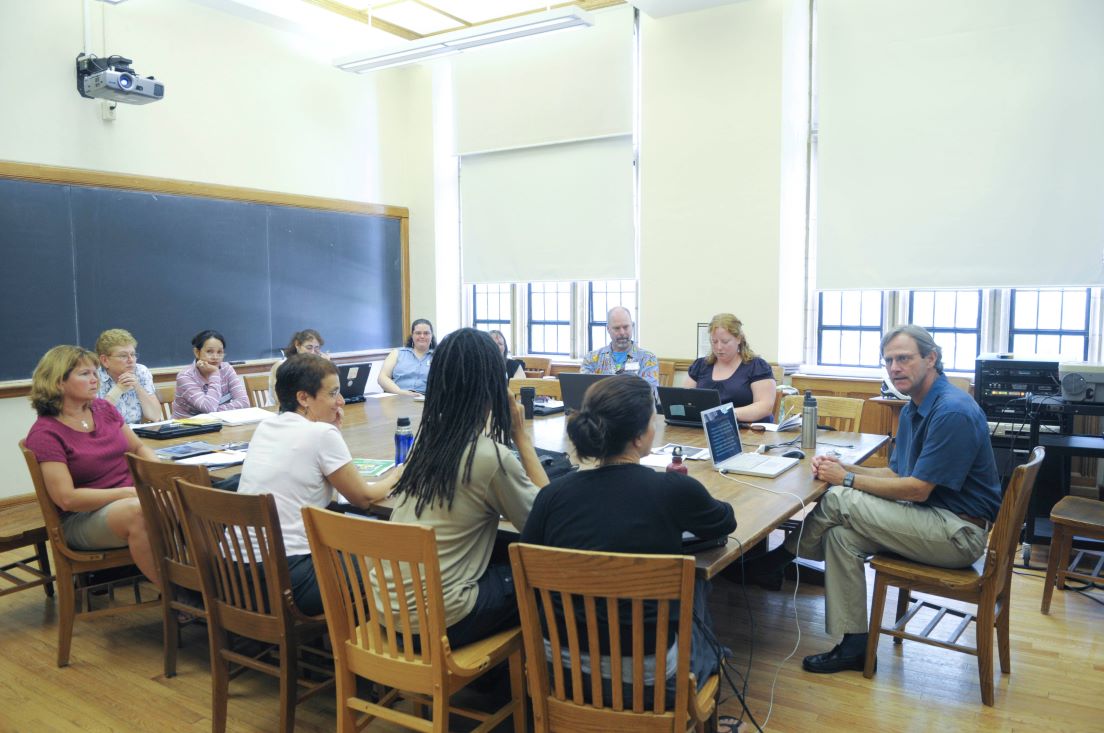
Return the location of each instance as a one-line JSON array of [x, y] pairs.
[[80, 259]]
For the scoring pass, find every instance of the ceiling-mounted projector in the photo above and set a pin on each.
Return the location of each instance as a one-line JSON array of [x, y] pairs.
[[112, 78]]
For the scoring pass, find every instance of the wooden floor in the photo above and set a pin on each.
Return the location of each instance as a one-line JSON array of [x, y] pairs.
[[114, 682]]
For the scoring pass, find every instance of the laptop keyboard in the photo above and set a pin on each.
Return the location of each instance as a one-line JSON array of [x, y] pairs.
[[746, 460]]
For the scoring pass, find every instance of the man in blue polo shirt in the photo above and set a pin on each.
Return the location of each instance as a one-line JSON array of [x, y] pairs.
[[934, 502]]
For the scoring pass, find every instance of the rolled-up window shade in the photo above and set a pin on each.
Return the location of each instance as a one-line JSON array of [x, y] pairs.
[[960, 143], [555, 212], [572, 85]]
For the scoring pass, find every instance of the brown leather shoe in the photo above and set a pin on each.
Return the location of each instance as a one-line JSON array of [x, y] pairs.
[[834, 661]]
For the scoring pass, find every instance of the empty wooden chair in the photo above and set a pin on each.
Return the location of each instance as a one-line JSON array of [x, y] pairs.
[[536, 366], [542, 387], [666, 372], [841, 413], [256, 386], [153, 481], [70, 565], [1072, 515], [21, 525], [247, 592], [988, 586], [559, 665], [166, 393], [368, 636]]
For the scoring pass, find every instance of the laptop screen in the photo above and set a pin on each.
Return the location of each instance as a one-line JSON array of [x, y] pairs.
[[722, 432]]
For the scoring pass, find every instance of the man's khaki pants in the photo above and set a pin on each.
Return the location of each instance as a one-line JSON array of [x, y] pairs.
[[848, 526]]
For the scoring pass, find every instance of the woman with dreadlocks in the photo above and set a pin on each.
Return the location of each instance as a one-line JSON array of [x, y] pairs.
[[462, 476]]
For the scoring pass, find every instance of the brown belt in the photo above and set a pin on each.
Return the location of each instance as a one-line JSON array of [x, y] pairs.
[[979, 523]]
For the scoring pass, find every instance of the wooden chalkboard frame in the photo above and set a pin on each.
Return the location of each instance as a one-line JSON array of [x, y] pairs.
[[145, 184]]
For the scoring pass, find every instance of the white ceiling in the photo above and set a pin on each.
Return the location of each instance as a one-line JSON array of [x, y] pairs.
[[662, 8]]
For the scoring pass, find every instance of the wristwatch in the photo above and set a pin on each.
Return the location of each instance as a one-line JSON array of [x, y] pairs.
[[849, 479]]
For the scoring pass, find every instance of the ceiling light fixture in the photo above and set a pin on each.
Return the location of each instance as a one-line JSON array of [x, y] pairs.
[[445, 44]]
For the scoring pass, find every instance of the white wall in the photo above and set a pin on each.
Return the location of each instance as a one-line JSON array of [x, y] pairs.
[[245, 105], [711, 174]]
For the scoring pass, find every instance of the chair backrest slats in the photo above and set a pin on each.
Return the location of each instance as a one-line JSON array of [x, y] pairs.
[[663, 617], [637, 595], [613, 621], [153, 482], [374, 619], [1005, 537], [240, 554], [594, 646]]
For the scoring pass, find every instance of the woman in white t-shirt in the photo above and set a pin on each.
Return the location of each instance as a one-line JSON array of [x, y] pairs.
[[300, 457]]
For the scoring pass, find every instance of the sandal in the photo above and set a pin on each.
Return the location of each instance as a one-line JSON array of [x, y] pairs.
[[729, 724]]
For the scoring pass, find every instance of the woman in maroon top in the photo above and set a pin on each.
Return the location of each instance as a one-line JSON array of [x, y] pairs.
[[80, 442]]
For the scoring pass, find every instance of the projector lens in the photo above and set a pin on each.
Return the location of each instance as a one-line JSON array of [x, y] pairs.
[[126, 81]]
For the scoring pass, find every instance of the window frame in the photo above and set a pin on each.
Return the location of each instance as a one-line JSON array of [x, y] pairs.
[[1059, 332]]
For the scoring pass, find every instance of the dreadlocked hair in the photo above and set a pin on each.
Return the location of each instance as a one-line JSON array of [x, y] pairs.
[[466, 384]]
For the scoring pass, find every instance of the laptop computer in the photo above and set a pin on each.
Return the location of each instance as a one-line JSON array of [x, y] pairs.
[[684, 405], [353, 378], [728, 456], [574, 385]]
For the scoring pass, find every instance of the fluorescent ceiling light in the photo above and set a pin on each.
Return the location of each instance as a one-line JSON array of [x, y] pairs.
[[112, 2], [456, 41]]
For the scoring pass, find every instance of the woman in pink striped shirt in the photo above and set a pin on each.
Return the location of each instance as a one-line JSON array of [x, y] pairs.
[[210, 384]]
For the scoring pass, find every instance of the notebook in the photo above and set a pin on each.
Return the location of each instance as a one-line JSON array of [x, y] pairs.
[[574, 385], [353, 378], [728, 456], [170, 429], [691, 543], [684, 405]]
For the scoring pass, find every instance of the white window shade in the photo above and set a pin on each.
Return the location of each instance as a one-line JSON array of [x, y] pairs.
[[571, 85], [555, 212], [960, 143]]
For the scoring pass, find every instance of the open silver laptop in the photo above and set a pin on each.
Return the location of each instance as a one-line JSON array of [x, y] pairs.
[[728, 456]]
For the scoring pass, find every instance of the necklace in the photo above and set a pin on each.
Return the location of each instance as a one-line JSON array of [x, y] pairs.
[[83, 421]]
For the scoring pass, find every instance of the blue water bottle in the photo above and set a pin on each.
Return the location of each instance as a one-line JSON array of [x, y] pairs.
[[404, 438]]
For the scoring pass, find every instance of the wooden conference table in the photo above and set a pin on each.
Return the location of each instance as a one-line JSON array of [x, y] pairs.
[[759, 503]]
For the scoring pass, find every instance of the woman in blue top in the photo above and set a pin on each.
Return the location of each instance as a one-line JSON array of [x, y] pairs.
[[734, 370], [406, 369]]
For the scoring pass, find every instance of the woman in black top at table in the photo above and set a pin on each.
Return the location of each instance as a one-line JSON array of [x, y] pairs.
[[621, 506], [734, 370]]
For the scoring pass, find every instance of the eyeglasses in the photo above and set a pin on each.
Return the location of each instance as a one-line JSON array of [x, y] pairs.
[[126, 356], [902, 360]]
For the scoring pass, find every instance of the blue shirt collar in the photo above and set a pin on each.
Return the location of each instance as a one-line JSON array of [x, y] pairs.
[[938, 387]]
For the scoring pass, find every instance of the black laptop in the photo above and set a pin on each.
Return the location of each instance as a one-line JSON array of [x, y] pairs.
[[684, 405], [574, 385], [353, 378]]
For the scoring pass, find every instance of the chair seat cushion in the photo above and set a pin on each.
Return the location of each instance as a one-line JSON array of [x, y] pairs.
[[921, 574], [1080, 513]]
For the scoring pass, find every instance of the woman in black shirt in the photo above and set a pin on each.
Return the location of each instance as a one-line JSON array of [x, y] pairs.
[[621, 506]]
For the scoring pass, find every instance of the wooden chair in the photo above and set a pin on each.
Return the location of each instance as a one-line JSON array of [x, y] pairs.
[[1072, 515], [989, 587], [595, 582], [558, 369], [72, 564], [536, 366], [166, 393], [252, 598], [545, 387], [367, 638], [21, 525], [842, 413], [666, 372], [256, 386], [153, 481]]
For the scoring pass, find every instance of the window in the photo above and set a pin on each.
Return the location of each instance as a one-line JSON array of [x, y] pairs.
[[1052, 323], [491, 307], [601, 296], [953, 317], [550, 318], [849, 328]]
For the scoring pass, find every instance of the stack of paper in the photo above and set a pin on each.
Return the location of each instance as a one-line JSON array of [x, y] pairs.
[[244, 416]]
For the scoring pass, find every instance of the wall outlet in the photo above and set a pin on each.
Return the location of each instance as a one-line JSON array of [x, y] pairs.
[[107, 110]]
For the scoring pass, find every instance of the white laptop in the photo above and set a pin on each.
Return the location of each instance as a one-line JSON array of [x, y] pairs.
[[728, 456]]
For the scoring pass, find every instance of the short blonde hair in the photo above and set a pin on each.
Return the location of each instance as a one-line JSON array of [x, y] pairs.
[[732, 324], [53, 369], [113, 337]]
